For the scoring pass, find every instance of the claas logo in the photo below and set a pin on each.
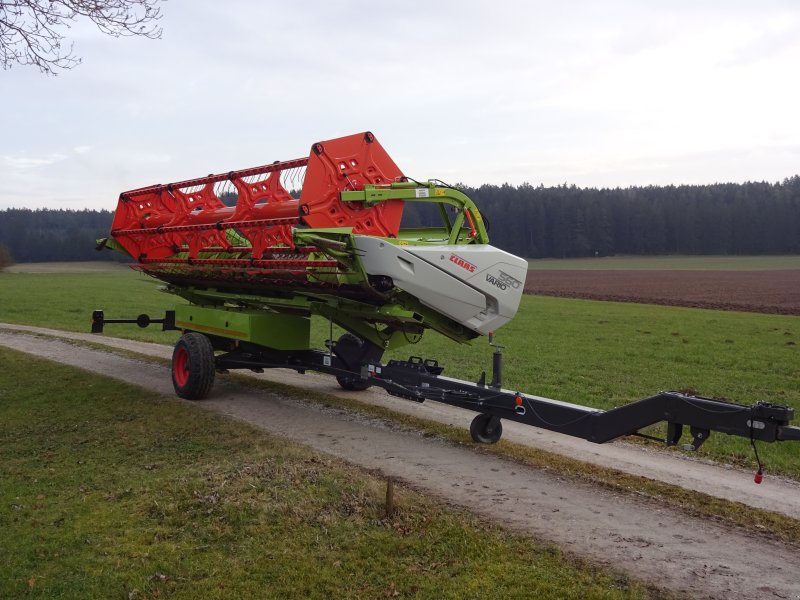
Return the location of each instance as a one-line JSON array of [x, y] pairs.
[[464, 264]]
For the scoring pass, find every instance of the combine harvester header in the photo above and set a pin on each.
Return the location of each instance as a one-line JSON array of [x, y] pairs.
[[255, 259], [337, 250]]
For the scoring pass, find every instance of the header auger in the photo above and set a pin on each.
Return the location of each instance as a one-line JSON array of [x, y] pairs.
[[257, 252]]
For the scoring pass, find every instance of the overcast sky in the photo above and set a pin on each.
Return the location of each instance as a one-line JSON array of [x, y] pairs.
[[595, 93]]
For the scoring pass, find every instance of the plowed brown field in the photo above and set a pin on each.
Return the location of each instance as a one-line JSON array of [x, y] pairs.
[[753, 291]]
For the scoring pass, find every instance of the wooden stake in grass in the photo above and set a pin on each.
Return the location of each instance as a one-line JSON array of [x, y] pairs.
[[389, 497]]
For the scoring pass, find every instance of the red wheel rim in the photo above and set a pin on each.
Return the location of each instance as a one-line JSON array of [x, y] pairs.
[[180, 366]]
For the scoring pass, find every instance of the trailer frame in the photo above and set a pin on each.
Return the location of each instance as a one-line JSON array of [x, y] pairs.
[[356, 364]]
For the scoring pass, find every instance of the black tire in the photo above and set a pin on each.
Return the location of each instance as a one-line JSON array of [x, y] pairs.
[[486, 429], [352, 383], [347, 346], [193, 366]]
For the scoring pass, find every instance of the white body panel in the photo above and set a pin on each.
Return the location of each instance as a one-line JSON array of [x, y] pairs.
[[479, 286]]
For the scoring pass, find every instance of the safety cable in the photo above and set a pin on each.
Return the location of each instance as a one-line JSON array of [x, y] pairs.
[[558, 425], [759, 476], [409, 340], [717, 412], [437, 182], [485, 402], [447, 185]]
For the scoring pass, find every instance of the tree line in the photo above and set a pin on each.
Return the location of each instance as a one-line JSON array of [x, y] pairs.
[[47, 235], [531, 221], [567, 221]]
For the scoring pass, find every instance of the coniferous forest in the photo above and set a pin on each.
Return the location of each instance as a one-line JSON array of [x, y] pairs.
[[55, 235], [534, 222]]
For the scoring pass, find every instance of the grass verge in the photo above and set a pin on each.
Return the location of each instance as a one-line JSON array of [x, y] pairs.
[[108, 491]]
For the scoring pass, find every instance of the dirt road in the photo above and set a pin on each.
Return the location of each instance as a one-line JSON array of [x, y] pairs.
[[665, 547]]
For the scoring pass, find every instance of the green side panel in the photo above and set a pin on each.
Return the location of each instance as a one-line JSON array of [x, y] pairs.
[[278, 331]]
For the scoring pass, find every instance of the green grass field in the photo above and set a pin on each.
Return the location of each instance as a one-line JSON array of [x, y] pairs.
[[108, 491], [65, 300], [597, 353], [680, 263]]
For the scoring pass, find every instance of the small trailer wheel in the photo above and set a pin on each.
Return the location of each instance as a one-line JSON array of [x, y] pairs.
[[346, 347], [352, 384], [193, 366], [486, 429]]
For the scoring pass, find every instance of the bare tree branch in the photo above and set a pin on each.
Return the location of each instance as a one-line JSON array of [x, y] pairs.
[[31, 31]]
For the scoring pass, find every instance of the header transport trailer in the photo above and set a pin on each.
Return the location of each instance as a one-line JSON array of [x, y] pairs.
[[255, 260]]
